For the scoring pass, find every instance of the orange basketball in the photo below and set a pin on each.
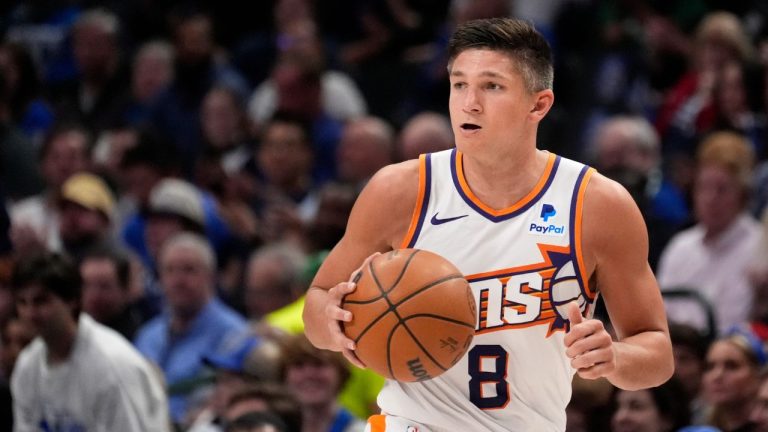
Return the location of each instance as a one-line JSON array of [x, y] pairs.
[[413, 315]]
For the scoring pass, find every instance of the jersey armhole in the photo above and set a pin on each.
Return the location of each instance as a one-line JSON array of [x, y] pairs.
[[422, 200], [576, 241]]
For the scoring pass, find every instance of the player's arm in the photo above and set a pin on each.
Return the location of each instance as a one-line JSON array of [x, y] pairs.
[[379, 221], [615, 242]]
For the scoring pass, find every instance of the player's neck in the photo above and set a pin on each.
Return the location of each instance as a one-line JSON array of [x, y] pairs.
[[503, 180]]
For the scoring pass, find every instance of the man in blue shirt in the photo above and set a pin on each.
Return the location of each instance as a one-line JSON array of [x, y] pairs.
[[194, 324]]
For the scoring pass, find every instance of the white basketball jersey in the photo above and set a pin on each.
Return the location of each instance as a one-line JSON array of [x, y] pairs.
[[522, 263]]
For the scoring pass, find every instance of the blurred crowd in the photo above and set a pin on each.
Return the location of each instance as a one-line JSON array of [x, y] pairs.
[[176, 172]]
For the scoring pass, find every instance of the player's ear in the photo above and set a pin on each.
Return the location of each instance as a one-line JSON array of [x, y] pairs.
[[542, 102]]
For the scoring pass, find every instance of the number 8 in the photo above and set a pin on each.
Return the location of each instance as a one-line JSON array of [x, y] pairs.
[[497, 377]]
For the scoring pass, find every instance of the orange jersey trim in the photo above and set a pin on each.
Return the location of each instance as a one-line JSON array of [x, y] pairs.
[[543, 181], [417, 218], [577, 247]]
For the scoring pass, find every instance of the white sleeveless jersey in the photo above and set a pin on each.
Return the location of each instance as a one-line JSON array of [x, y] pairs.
[[522, 263]]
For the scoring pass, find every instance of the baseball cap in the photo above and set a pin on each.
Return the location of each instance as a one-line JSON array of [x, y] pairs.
[[89, 191], [248, 355], [179, 198]]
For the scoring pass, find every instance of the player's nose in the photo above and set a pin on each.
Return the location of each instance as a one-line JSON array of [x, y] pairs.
[[472, 102]]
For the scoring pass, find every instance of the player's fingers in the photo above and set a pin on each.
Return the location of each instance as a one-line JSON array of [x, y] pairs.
[[350, 355], [596, 371], [339, 291], [592, 358], [355, 276], [592, 342], [574, 313], [341, 341]]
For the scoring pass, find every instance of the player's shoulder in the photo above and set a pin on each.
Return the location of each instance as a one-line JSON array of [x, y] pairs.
[[394, 183], [604, 194]]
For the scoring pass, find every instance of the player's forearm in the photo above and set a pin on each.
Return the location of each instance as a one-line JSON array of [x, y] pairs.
[[642, 361], [315, 323]]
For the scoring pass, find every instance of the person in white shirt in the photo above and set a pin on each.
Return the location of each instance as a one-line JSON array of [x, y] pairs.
[[713, 257], [77, 375]]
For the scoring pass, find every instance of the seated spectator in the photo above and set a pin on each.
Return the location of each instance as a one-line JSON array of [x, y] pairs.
[[94, 379], [98, 95], [730, 382], [626, 149], [257, 422], [266, 397], [712, 257], [246, 359], [316, 378], [151, 73], [272, 279], [759, 414], [367, 145], [85, 214], [35, 220], [15, 335], [107, 296], [689, 348], [426, 132], [659, 409], [195, 323]]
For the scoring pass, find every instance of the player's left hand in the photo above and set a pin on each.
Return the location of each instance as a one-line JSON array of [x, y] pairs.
[[588, 345]]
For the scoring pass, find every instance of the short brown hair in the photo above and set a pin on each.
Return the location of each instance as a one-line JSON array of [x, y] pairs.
[[515, 37], [730, 151], [297, 350]]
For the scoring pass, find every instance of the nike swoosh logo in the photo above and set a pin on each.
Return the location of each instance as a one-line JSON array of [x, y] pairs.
[[437, 221]]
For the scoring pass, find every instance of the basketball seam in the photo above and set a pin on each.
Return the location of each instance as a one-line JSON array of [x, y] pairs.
[[400, 320], [441, 318]]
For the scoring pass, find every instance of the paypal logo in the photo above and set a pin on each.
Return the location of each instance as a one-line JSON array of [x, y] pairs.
[[547, 211]]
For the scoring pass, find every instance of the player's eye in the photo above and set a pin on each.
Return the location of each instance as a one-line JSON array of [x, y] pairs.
[[493, 86], [459, 85]]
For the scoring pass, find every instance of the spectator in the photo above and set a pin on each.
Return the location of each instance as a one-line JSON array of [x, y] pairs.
[[272, 279], [195, 323], [690, 350], [29, 111], [98, 96], [246, 359], [94, 379], [176, 113], [85, 214], [626, 149], [17, 153], [152, 73], [35, 220], [266, 397], [15, 335], [759, 414], [731, 380], [712, 257], [257, 422], [659, 409], [367, 145], [107, 296], [426, 132], [316, 378]]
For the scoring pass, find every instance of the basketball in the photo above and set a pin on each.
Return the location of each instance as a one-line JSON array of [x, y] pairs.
[[565, 289], [413, 315]]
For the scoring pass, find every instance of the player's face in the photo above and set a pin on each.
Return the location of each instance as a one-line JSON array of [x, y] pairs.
[[636, 412], [489, 104]]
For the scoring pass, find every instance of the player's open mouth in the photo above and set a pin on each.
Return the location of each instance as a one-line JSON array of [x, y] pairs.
[[470, 126]]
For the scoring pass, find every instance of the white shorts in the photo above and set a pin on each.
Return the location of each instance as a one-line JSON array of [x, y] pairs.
[[388, 423]]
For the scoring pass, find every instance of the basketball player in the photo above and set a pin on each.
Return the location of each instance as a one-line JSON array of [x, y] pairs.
[[529, 230]]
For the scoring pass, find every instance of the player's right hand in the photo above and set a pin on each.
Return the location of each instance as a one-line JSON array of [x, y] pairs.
[[336, 315]]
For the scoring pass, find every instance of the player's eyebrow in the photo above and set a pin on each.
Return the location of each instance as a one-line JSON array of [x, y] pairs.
[[484, 74]]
